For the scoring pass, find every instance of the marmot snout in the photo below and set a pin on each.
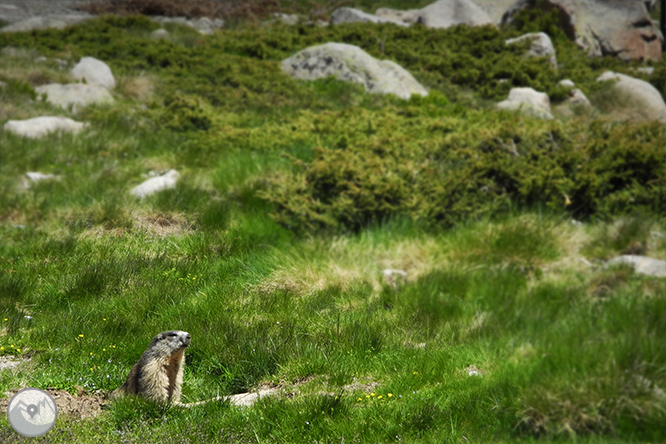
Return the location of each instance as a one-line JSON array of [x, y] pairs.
[[159, 373]]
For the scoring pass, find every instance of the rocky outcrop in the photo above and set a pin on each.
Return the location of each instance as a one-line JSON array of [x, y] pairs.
[[154, 184], [75, 95], [528, 102], [447, 13], [621, 28], [638, 94], [94, 72], [352, 64], [41, 126], [540, 46], [352, 15]]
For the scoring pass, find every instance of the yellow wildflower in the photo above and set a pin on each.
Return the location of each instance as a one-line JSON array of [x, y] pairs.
[[80, 336], [18, 350], [389, 395], [379, 397]]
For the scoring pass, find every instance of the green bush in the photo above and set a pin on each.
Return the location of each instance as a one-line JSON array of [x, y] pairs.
[[444, 170]]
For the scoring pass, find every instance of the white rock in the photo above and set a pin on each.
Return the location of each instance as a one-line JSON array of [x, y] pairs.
[[578, 98], [641, 264], [159, 33], [94, 72], [447, 13], [288, 19], [407, 16], [351, 15], [541, 46], [350, 63], [529, 102], [248, 399], [567, 82], [41, 126], [75, 95], [647, 70], [38, 177], [153, 185], [644, 97]]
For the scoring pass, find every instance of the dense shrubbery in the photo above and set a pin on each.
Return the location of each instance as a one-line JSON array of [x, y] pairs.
[[445, 169]]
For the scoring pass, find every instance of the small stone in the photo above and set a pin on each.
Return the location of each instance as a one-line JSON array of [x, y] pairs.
[[153, 185]]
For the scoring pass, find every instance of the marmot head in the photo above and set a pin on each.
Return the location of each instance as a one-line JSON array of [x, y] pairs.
[[169, 342]]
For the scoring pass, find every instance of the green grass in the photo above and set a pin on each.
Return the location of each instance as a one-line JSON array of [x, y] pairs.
[[564, 351]]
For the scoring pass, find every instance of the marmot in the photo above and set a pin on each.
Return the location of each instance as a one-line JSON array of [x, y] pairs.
[[159, 373]]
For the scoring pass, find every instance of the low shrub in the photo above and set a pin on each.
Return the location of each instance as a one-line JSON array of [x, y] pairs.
[[444, 170]]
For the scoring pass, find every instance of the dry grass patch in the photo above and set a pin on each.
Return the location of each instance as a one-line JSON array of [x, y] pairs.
[[141, 87], [352, 260]]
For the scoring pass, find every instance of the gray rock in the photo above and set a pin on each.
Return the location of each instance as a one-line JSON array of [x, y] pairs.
[[641, 264], [447, 13], [541, 46], [528, 102], [203, 25], [288, 19], [75, 95], [642, 96], [494, 8], [35, 176], [647, 70], [602, 27], [160, 34], [407, 16], [57, 22], [41, 126], [576, 96], [94, 72], [154, 184], [352, 64], [351, 15]]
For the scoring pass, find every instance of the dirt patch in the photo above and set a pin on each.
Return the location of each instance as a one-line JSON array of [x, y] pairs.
[[11, 362], [84, 405]]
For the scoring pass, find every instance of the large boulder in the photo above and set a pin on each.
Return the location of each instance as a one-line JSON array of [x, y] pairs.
[[352, 15], [528, 102], [447, 13], [621, 28], [75, 95], [639, 95], [540, 46], [352, 64], [94, 72], [41, 126]]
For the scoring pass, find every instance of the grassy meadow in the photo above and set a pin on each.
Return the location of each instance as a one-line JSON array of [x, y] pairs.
[[294, 197]]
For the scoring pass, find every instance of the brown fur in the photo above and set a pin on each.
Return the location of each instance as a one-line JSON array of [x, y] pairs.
[[159, 373]]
